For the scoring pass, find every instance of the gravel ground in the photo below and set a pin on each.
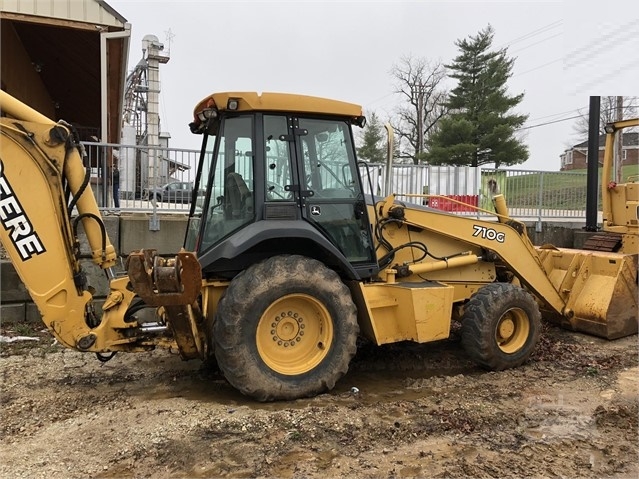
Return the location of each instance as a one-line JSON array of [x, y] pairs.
[[403, 410]]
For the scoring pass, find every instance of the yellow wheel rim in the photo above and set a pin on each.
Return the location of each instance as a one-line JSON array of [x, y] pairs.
[[512, 330], [294, 334]]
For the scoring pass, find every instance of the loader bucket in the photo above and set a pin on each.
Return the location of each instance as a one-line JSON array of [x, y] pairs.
[[599, 290]]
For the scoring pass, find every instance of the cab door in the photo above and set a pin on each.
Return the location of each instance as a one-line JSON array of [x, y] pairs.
[[323, 182]]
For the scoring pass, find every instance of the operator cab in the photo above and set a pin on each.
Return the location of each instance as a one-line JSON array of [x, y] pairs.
[[281, 177]]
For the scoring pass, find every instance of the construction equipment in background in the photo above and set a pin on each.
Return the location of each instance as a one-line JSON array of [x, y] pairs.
[[286, 260], [620, 202]]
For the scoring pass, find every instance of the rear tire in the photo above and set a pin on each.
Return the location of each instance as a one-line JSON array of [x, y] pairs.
[[286, 328], [500, 326]]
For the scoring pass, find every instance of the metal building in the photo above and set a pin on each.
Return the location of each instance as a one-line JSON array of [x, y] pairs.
[[68, 60]]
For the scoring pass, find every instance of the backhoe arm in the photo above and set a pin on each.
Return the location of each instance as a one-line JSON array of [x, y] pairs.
[[43, 179], [39, 160], [44, 152]]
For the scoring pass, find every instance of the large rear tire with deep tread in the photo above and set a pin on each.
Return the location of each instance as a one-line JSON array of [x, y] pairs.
[[500, 326], [285, 328]]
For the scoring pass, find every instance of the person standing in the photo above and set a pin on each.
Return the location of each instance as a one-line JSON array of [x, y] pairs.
[[116, 186]]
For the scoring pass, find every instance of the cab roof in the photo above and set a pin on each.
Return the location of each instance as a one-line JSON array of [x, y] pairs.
[[279, 102]]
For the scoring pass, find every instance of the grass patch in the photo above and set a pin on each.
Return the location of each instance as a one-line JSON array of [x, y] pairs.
[[45, 343], [556, 190], [561, 190]]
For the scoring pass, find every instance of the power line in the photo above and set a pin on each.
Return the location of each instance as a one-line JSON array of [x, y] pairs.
[[380, 98], [592, 48], [537, 43], [607, 110], [630, 65], [605, 45], [601, 41], [547, 123], [539, 67], [533, 33], [575, 110]]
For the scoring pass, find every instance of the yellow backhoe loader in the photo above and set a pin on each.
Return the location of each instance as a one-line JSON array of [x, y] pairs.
[[286, 260]]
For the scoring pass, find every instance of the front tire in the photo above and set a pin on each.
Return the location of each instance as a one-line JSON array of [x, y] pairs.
[[500, 326], [286, 328]]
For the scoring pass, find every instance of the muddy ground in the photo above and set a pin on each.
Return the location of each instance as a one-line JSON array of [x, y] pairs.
[[417, 411]]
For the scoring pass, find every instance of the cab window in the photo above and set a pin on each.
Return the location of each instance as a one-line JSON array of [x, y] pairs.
[[231, 202], [278, 159]]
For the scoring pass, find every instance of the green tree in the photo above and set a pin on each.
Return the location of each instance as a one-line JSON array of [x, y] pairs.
[[479, 127], [373, 138]]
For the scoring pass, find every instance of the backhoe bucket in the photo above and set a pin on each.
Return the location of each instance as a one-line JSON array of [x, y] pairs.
[[600, 290]]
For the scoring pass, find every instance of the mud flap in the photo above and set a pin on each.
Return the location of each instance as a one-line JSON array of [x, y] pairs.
[[600, 290]]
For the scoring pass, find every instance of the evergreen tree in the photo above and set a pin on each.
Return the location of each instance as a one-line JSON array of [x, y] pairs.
[[479, 128], [373, 147]]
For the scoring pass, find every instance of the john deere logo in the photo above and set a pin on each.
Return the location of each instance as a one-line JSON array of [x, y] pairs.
[[316, 210], [15, 221]]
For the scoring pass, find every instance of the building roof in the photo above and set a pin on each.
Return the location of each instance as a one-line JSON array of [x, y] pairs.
[[97, 12], [630, 138], [51, 60]]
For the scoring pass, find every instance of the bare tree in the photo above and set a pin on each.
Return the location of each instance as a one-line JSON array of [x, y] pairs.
[[419, 83], [609, 108], [613, 108]]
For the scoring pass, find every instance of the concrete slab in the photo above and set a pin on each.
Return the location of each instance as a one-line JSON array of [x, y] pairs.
[[12, 313], [32, 314], [135, 234], [12, 289], [557, 235]]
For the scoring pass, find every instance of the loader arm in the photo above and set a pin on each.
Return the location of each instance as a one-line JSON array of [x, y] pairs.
[[588, 291], [514, 248]]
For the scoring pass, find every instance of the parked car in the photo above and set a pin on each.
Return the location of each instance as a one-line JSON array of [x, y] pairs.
[[175, 192]]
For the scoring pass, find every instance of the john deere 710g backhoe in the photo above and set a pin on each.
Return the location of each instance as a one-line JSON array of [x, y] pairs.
[[286, 261]]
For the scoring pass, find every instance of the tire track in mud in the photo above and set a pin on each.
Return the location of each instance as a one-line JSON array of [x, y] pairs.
[[419, 410]]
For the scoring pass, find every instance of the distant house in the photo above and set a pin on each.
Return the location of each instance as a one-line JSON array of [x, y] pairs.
[[575, 157]]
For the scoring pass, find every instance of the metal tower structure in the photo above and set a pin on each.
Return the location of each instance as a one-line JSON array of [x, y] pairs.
[[141, 125]]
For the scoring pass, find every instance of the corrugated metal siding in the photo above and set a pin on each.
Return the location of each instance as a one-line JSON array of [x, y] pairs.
[[87, 11]]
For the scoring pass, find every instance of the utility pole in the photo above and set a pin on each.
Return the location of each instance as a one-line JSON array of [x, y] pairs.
[[420, 121], [592, 191], [619, 146]]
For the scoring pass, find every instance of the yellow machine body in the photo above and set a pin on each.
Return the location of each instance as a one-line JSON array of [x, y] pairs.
[[431, 268], [408, 311]]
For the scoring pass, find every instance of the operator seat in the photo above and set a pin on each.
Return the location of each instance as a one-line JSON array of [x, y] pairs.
[[237, 197]]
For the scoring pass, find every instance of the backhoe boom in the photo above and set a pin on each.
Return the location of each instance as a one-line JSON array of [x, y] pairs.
[[40, 160]]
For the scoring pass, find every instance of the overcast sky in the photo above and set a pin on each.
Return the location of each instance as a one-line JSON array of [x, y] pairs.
[[565, 51]]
